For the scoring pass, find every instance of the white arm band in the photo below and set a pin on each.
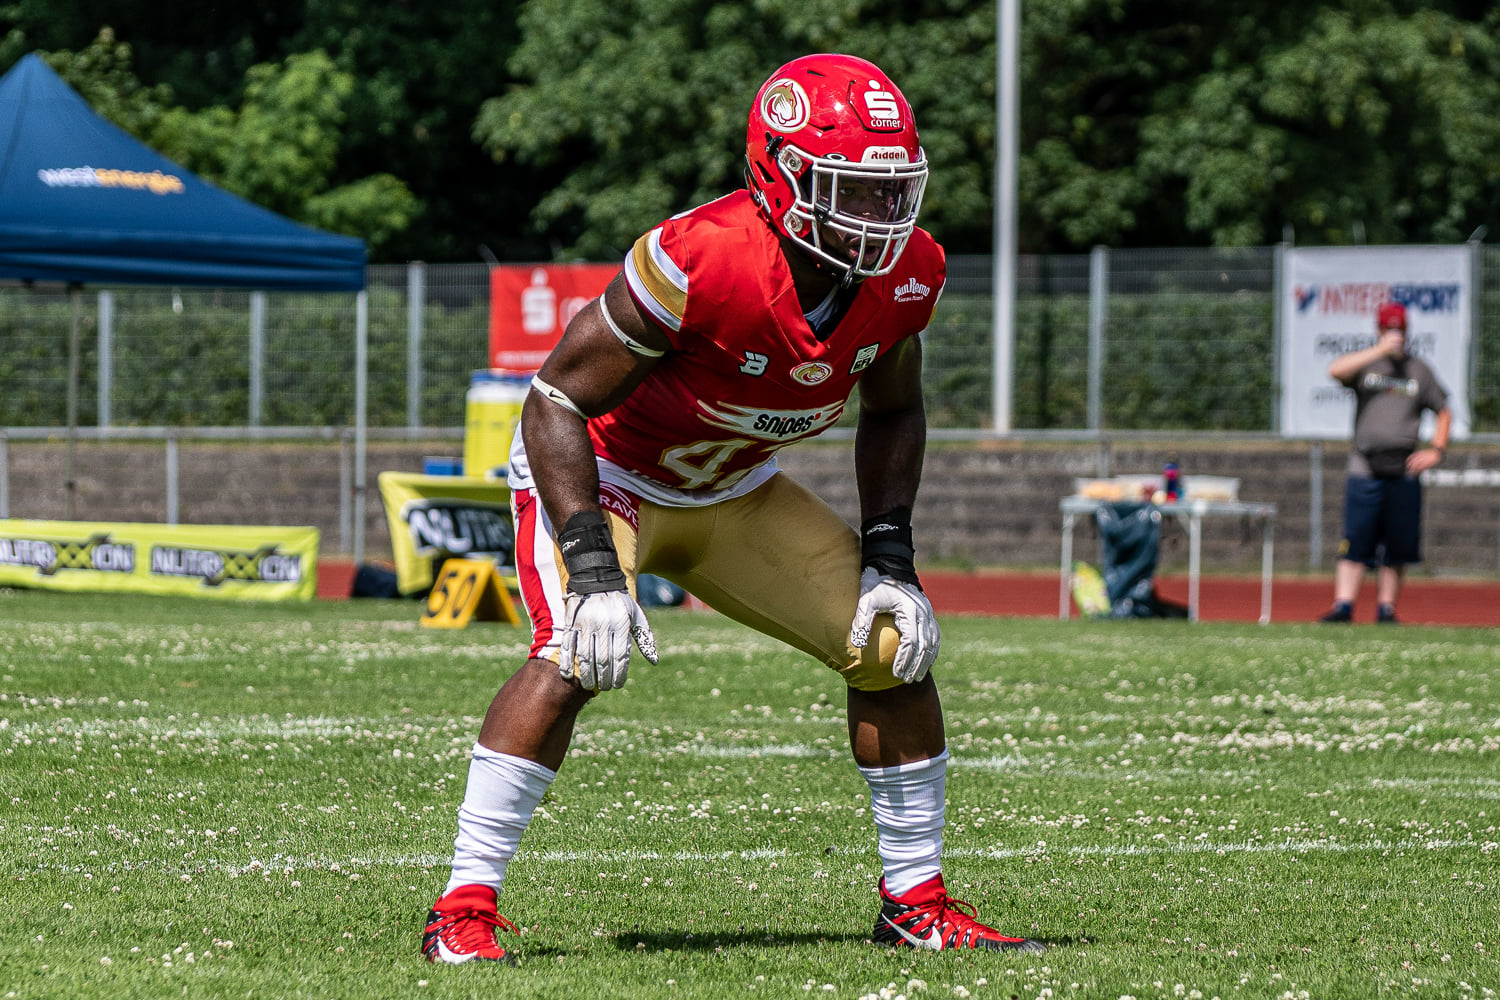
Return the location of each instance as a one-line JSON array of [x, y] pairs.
[[556, 395], [635, 345]]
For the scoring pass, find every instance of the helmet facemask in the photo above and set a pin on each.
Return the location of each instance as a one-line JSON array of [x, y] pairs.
[[855, 216]]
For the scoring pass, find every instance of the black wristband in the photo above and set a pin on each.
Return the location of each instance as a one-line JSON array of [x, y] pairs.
[[885, 544], [588, 552]]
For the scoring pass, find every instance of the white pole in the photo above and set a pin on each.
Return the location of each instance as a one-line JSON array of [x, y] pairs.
[[361, 394], [257, 356], [173, 483], [1098, 316], [71, 496], [106, 354], [1007, 104], [416, 299]]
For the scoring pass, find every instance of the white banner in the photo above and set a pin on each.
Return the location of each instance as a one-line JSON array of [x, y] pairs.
[[1332, 296]]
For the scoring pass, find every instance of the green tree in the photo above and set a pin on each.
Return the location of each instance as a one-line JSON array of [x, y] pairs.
[[565, 127], [1170, 122], [638, 109], [419, 73], [101, 73], [1157, 123], [279, 149]]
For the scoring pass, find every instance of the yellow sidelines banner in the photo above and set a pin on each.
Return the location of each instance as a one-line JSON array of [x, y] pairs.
[[434, 518], [233, 562]]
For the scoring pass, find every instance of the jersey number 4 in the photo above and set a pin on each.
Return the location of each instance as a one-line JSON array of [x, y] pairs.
[[699, 463]]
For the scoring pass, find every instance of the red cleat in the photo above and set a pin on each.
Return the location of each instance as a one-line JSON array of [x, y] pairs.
[[461, 928], [927, 917]]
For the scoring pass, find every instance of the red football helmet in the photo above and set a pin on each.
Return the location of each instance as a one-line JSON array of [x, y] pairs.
[[833, 160]]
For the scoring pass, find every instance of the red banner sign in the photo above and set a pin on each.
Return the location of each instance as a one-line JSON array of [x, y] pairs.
[[531, 304]]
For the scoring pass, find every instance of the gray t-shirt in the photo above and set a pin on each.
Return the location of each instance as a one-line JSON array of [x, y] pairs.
[[1389, 397]]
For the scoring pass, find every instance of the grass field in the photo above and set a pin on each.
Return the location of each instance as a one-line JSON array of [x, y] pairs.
[[210, 800]]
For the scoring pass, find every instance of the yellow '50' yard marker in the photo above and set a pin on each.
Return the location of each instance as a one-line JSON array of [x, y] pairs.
[[466, 590]]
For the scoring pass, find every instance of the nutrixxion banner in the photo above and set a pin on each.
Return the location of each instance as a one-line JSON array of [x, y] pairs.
[[232, 562], [1332, 295], [434, 518]]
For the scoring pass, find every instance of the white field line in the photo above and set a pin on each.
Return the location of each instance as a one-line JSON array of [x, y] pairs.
[[286, 865], [1017, 761], [1288, 846]]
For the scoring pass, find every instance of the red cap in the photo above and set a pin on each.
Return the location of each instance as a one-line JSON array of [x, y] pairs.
[[1391, 314]]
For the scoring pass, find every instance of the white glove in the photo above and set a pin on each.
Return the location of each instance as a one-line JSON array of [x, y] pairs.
[[915, 622], [596, 638]]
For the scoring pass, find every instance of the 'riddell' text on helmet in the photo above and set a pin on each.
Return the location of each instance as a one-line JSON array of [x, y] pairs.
[[834, 162]]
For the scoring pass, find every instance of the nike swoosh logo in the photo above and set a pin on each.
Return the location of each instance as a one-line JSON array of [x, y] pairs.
[[933, 941], [446, 954]]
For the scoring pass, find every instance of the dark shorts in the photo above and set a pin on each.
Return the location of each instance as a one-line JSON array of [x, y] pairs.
[[1382, 521]]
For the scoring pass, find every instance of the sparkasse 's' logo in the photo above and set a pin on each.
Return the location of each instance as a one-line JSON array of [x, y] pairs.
[[912, 290], [882, 107]]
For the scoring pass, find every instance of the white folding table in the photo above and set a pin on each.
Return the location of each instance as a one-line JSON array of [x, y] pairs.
[[1190, 514]]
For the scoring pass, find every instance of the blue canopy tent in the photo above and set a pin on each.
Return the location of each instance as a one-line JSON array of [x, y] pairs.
[[82, 202]]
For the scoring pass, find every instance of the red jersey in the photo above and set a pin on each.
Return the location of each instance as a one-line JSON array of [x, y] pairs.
[[746, 375]]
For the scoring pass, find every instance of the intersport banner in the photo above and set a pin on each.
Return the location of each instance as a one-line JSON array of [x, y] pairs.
[[1333, 294], [432, 518], [229, 562]]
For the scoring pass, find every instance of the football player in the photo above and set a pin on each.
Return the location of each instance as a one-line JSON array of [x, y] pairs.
[[648, 444]]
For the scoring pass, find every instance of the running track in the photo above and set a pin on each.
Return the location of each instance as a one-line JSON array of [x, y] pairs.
[[1236, 598]]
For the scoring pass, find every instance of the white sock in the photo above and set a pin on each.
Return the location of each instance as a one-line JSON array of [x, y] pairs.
[[907, 801], [502, 793]]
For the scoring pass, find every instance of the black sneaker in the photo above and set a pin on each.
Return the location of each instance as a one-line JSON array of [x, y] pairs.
[[1386, 615], [1341, 612], [462, 925], [928, 918]]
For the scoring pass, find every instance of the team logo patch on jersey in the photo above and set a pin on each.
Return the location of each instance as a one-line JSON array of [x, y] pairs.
[[912, 290], [785, 105], [812, 372], [770, 425], [864, 358]]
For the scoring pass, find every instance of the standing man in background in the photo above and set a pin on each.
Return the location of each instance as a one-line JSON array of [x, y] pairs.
[[1383, 494]]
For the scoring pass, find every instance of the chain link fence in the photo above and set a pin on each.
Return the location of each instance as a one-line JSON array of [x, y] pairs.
[[1185, 343]]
